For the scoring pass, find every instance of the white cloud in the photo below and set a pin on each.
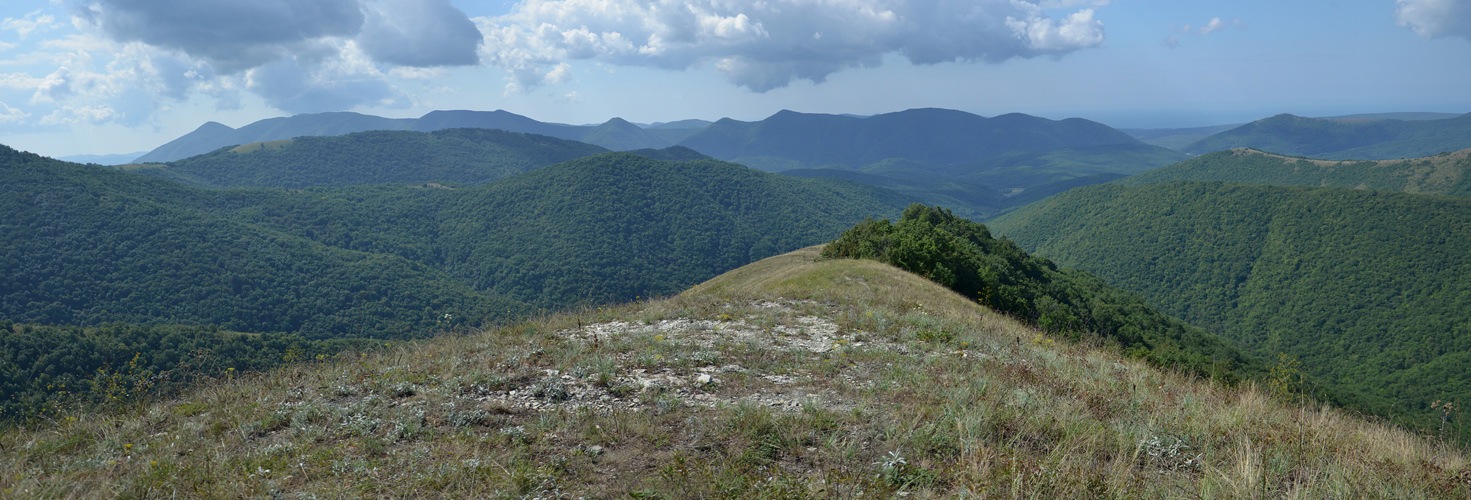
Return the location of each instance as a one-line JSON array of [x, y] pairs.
[[9, 115], [426, 33], [70, 115], [299, 55], [1213, 26], [1435, 18], [1067, 4], [315, 84], [767, 44], [33, 22]]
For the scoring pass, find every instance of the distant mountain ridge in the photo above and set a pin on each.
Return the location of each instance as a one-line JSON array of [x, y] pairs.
[[1344, 138], [937, 136], [1446, 174], [973, 164], [616, 134], [456, 155]]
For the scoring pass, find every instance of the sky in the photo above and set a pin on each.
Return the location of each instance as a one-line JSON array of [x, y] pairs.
[[122, 76]]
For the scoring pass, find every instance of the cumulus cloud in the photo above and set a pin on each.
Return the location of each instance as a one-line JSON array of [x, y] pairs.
[[767, 44], [419, 34], [229, 34], [1216, 24], [299, 55], [309, 85], [9, 115], [33, 22], [1435, 18]]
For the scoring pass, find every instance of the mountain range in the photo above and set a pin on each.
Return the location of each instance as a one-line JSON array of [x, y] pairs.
[[464, 156], [616, 134], [975, 164], [1344, 138], [1446, 174]]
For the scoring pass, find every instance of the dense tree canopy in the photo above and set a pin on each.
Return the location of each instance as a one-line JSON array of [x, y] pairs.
[[963, 256], [1366, 288]]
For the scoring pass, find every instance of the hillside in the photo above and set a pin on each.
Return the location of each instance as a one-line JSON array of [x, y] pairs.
[[463, 156], [1365, 288], [608, 227], [1344, 139], [1447, 174], [92, 245], [87, 245], [211, 136], [786, 378], [964, 257]]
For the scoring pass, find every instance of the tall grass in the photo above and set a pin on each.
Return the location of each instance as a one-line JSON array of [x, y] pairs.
[[918, 392]]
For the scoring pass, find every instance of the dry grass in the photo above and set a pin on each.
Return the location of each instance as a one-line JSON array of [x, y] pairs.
[[788, 378]]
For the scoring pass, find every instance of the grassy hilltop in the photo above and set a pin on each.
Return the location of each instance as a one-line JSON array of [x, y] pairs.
[[787, 378]]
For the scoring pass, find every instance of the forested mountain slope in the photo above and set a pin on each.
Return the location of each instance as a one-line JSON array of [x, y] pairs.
[[964, 257], [85, 245], [90, 245], [1447, 174], [467, 156], [1344, 139], [1366, 288], [602, 228]]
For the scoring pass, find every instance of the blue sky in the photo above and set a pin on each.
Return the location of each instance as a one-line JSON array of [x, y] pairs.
[[115, 76]]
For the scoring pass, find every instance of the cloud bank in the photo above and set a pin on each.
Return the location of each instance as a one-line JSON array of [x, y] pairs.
[[1435, 18], [298, 55], [766, 44]]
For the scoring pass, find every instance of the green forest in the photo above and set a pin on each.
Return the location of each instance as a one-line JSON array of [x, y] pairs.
[[1366, 288], [963, 256], [47, 371], [1446, 174], [88, 247]]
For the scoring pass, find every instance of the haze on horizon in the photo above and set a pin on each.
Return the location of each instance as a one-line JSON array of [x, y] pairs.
[[112, 76]]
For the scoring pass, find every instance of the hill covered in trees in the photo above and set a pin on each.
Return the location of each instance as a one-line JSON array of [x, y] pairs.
[[1344, 139], [964, 257], [1447, 174], [87, 245], [466, 156], [607, 227], [1364, 288], [92, 245]]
